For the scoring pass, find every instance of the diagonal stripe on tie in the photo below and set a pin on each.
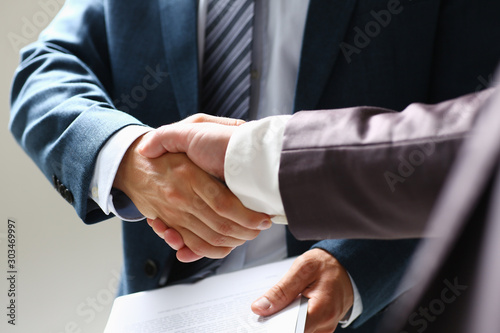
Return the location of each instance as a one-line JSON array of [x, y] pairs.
[[227, 58]]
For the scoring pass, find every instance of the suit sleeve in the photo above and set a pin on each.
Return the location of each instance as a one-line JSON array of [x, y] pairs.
[[59, 95], [369, 172]]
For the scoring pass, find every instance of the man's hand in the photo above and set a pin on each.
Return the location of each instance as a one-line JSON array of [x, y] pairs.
[[202, 137], [171, 189], [317, 275]]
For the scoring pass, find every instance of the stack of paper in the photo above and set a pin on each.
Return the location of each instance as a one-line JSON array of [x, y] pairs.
[[216, 304]]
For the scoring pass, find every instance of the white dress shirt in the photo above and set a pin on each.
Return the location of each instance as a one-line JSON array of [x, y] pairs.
[[278, 31]]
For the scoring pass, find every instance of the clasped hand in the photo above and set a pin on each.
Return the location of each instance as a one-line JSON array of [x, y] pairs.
[[193, 211]]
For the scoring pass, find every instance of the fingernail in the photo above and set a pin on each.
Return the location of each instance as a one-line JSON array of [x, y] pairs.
[[265, 225], [262, 303]]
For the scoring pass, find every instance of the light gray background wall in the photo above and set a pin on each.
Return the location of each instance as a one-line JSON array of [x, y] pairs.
[[67, 271]]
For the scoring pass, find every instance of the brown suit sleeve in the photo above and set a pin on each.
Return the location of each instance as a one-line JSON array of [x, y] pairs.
[[368, 172]]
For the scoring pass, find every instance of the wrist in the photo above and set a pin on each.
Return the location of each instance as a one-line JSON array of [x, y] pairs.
[[127, 166], [252, 161]]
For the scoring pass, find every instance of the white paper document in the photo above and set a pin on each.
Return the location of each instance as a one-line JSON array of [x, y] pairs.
[[216, 304]]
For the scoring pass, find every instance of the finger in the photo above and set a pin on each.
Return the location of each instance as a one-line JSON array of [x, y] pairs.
[[197, 233], [194, 227], [199, 239], [285, 291], [321, 318], [224, 203], [173, 239], [186, 255], [201, 248], [205, 118], [158, 226], [222, 231]]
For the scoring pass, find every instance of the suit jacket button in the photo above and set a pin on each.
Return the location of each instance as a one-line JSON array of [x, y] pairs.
[[68, 196], [150, 268], [55, 181]]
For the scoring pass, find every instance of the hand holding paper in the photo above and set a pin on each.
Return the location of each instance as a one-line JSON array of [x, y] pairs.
[[317, 275], [219, 303]]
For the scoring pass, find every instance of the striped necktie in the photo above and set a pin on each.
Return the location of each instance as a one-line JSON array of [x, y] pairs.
[[227, 58]]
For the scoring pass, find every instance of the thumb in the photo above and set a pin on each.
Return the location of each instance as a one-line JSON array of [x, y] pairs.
[[205, 118], [282, 293], [160, 141]]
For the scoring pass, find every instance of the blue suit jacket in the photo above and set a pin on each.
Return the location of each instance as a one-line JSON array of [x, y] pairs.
[[106, 64]]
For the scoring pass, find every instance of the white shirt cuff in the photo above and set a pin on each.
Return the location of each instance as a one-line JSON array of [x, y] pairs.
[[108, 161], [252, 163], [357, 305], [251, 172]]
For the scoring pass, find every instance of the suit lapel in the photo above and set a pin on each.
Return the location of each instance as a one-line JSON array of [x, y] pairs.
[[179, 28], [326, 25]]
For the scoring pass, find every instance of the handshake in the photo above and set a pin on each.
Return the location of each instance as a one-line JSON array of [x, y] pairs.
[[174, 175]]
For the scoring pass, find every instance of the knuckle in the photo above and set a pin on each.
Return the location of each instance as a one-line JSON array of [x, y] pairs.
[[308, 265], [221, 207], [197, 118], [198, 203], [224, 228], [200, 249], [173, 195], [219, 241], [184, 170], [160, 131], [212, 190], [190, 221]]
